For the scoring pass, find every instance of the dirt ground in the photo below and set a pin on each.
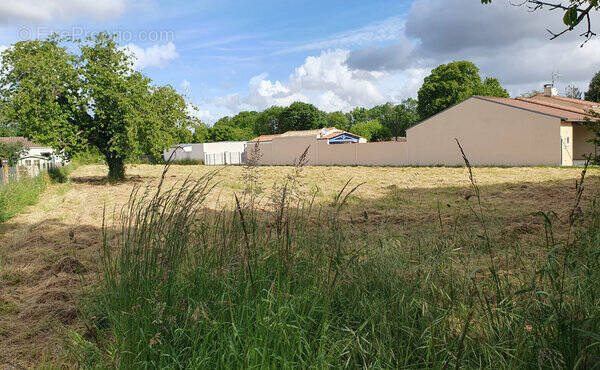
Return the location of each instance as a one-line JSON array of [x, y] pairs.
[[51, 251]]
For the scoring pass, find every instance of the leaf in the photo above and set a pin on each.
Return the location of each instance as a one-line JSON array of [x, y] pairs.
[[570, 16]]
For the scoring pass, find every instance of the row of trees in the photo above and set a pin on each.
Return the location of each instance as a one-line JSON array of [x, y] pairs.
[[447, 85], [381, 122]]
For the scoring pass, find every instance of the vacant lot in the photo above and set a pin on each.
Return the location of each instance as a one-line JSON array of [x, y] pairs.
[[51, 251]]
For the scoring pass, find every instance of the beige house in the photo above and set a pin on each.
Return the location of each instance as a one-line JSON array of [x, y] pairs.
[[544, 129]]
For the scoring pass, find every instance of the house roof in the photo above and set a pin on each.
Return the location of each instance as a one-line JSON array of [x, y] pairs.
[[321, 133], [263, 138], [18, 139], [554, 106]]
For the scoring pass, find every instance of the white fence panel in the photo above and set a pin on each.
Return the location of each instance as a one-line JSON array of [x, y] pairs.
[[224, 158]]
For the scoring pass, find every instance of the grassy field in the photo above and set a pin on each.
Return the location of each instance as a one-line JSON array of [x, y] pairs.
[[402, 249]]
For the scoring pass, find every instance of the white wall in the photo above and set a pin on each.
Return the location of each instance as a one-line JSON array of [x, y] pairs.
[[210, 153]]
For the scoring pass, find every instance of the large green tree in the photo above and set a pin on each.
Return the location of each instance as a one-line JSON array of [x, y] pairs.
[[267, 121], [75, 95], [593, 93], [449, 84], [301, 116]]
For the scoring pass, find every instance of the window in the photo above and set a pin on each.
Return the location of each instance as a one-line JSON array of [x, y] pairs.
[[568, 139]]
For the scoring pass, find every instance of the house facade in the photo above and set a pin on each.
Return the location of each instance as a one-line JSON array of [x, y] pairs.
[[36, 157]]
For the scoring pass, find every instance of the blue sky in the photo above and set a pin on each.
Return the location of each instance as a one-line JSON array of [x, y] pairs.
[[228, 56]]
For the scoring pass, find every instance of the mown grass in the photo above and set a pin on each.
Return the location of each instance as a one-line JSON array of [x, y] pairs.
[[279, 281]]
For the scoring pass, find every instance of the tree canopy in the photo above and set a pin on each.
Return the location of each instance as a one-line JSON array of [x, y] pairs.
[[449, 84], [73, 95], [11, 151], [593, 93]]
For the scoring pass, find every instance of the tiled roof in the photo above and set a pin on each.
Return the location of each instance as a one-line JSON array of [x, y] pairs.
[[337, 133], [562, 100], [567, 113], [264, 138], [321, 133], [19, 139]]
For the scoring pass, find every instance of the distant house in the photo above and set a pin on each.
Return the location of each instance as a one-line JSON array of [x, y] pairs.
[[36, 157], [331, 134]]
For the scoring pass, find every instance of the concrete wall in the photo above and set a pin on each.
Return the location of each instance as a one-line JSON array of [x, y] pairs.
[[286, 150], [490, 133], [581, 145]]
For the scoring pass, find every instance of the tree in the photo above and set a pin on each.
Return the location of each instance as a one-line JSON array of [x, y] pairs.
[[7, 129], [301, 116], [229, 133], [449, 84], [357, 115], [11, 151], [574, 13], [87, 94], [338, 120], [407, 116], [372, 130], [593, 93], [267, 121], [491, 87], [163, 118], [573, 92], [200, 133]]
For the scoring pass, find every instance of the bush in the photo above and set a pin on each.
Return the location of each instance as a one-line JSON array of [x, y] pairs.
[[186, 287], [188, 162]]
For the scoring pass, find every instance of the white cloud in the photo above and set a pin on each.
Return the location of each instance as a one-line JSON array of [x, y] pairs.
[[49, 10], [387, 30], [327, 82], [154, 56]]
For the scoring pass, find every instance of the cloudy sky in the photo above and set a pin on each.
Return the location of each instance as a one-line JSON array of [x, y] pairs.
[[233, 55]]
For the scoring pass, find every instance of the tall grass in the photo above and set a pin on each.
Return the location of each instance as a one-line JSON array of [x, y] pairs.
[[296, 286], [17, 195]]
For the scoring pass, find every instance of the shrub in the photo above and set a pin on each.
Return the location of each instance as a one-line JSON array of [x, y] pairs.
[[188, 162]]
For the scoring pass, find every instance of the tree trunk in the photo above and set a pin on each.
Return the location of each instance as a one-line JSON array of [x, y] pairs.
[[116, 169]]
